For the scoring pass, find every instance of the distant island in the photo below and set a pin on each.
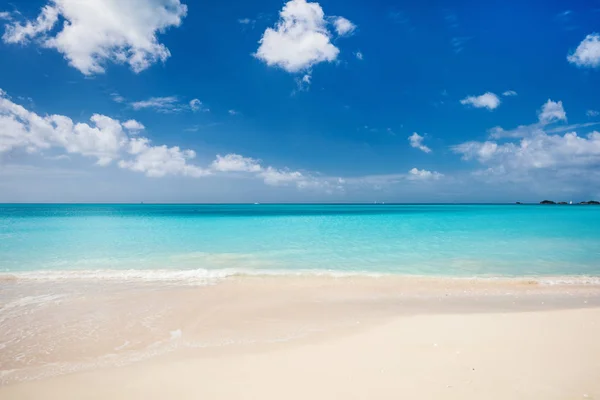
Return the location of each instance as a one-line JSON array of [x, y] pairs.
[[594, 202]]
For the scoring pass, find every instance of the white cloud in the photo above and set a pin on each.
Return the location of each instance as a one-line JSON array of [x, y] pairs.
[[5, 15], [270, 175], [20, 128], [416, 141], [165, 105], [233, 112], [359, 55], [159, 161], [509, 93], [17, 33], [277, 177], [587, 54], [108, 140], [133, 126], [117, 98], [97, 32], [299, 40], [196, 105], [245, 21], [487, 100], [343, 26], [304, 82], [169, 105], [551, 112], [536, 149], [422, 174], [104, 139], [592, 113], [540, 150], [235, 163]]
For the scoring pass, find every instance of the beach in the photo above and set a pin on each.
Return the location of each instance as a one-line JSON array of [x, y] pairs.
[[299, 301], [302, 337]]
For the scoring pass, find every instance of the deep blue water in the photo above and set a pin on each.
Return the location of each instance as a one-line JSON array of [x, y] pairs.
[[442, 240]]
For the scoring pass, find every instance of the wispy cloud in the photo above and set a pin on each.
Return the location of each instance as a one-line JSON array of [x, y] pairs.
[[592, 113], [458, 43], [451, 20], [402, 19], [168, 105], [566, 19], [196, 105], [117, 98]]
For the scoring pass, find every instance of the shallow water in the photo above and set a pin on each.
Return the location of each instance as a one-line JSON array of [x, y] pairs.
[[203, 242]]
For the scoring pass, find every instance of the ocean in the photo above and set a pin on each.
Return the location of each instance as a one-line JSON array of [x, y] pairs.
[[193, 242]]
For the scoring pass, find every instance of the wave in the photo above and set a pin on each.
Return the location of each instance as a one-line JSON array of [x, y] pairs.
[[202, 276]]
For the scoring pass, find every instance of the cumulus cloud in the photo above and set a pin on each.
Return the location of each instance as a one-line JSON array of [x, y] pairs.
[[487, 100], [416, 141], [235, 163], [534, 148], [159, 161], [538, 151], [343, 26], [104, 138], [133, 126], [300, 39], [276, 177], [509, 93], [592, 113], [97, 32], [5, 15], [587, 54], [110, 141], [422, 174], [551, 112]]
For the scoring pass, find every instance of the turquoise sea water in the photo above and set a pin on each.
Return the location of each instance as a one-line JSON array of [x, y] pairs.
[[214, 240]]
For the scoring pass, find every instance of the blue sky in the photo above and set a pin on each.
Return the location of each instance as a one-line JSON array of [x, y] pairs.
[[238, 101]]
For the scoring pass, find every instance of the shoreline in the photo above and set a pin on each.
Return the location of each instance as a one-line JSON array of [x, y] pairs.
[[74, 327], [200, 276]]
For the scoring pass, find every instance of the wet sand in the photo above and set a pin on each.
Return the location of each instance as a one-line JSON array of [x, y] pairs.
[[300, 337]]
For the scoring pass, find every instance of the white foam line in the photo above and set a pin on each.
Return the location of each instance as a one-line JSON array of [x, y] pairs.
[[203, 276]]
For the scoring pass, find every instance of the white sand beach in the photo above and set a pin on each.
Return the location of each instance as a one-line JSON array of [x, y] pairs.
[[324, 338]]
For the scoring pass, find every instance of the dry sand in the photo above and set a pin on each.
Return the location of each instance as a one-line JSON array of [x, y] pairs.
[[377, 340]]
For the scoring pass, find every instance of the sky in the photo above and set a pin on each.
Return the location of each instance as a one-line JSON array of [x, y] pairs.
[[299, 101]]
